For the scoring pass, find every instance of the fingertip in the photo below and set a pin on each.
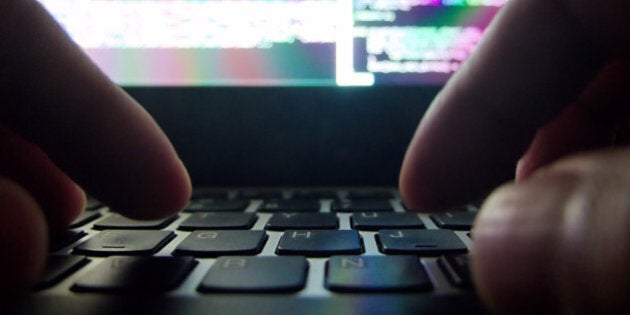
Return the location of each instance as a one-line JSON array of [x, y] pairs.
[[72, 203], [554, 242], [489, 259], [60, 198], [23, 241], [503, 268], [416, 186], [177, 190], [516, 240], [425, 186], [408, 188], [167, 192], [417, 195], [523, 168]]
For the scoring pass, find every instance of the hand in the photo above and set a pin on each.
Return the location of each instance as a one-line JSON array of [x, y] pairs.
[[63, 124], [548, 85]]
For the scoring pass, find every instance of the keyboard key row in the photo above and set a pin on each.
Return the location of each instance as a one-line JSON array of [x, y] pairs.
[[292, 205], [301, 205], [312, 243], [247, 274], [308, 194], [117, 221], [210, 205], [362, 205], [367, 221]]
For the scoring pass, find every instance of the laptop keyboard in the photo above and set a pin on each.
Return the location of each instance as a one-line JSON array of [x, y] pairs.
[[302, 241]]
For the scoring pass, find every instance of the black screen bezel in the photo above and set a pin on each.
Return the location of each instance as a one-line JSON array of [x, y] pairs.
[[280, 136]]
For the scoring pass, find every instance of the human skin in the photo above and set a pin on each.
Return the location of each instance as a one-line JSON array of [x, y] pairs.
[[546, 92], [65, 127]]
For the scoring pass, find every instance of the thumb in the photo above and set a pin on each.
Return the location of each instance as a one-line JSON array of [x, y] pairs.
[[559, 240]]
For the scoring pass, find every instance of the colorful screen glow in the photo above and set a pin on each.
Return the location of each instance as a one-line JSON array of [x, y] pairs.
[[276, 42]]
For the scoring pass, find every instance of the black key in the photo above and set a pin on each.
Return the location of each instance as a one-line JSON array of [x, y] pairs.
[[290, 206], [457, 270], [218, 243], [369, 194], [476, 204], [265, 195], [294, 220], [369, 205], [136, 275], [455, 220], [372, 221], [117, 221], [125, 242], [209, 194], [92, 204], [211, 205], [85, 218], [376, 273], [218, 221], [420, 242], [319, 243], [256, 274], [61, 239], [453, 209], [314, 194], [58, 268]]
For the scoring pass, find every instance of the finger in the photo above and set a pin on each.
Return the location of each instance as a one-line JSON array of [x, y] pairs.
[[558, 241], [573, 131], [61, 199], [23, 241], [591, 122], [56, 98], [534, 58]]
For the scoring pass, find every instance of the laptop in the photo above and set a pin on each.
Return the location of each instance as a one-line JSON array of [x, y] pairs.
[[292, 118]]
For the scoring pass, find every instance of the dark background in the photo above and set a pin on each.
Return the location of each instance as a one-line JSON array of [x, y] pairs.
[[308, 136]]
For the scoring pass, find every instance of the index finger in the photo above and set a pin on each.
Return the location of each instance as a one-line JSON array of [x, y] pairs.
[[534, 58], [54, 96]]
